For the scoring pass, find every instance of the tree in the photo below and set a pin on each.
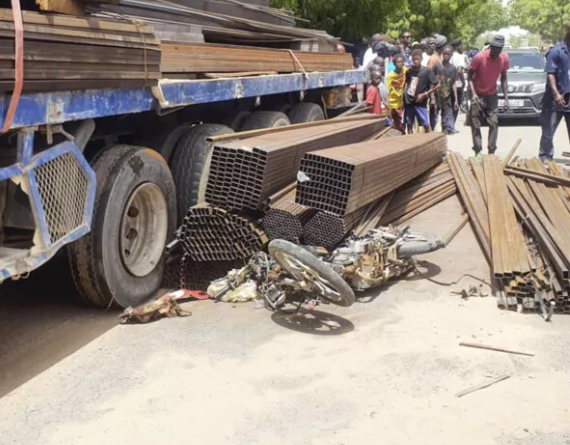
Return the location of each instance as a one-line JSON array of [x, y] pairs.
[[544, 17], [351, 20], [354, 19]]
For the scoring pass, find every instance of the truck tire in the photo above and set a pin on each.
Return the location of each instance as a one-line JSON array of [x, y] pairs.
[[191, 163], [306, 112], [304, 266], [235, 120], [120, 261], [265, 119], [165, 143]]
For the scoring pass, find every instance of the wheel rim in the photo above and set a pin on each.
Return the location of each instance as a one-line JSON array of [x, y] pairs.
[[144, 228], [303, 273]]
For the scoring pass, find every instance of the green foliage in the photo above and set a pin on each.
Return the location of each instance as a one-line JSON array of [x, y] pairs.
[[544, 17], [353, 20]]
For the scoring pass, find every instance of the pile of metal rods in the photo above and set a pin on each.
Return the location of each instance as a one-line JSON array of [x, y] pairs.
[[520, 213], [344, 179], [418, 195], [212, 234], [285, 219], [244, 173]]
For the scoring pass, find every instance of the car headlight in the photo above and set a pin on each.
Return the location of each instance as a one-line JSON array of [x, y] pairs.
[[538, 87]]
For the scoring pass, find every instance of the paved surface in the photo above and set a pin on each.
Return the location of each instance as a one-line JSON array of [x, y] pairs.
[[509, 132], [385, 370]]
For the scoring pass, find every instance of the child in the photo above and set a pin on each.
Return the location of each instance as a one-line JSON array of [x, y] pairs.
[[373, 94], [420, 83], [396, 82], [447, 75]]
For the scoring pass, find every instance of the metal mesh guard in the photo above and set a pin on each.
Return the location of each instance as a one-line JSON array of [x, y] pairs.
[[63, 190]]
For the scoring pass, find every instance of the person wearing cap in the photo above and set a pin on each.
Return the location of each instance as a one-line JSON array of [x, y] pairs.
[[556, 101], [484, 71], [461, 62]]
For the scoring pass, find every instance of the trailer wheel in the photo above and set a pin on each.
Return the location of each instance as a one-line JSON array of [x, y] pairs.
[[235, 120], [265, 119], [120, 261], [165, 143], [306, 112], [191, 163]]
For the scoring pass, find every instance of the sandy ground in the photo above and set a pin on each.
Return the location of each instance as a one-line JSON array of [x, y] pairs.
[[383, 371]]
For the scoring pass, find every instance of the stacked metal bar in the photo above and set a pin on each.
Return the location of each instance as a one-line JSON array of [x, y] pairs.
[[245, 173], [526, 263], [210, 58], [509, 253], [344, 179], [419, 195], [285, 219], [327, 229], [212, 234], [65, 52]]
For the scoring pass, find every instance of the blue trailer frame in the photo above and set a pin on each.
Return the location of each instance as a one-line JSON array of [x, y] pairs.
[[50, 108]]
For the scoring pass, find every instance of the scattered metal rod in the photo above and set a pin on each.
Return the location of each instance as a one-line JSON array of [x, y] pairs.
[[509, 157], [493, 348], [453, 232], [482, 385]]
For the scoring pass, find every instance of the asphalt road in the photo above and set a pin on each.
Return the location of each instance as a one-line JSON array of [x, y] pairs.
[[509, 132], [387, 368]]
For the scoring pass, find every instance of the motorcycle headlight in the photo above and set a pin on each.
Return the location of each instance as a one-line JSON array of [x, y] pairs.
[[538, 87]]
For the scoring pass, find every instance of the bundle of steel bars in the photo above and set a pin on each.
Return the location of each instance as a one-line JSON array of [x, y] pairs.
[[520, 213], [327, 229], [75, 52], [212, 234], [344, 179], [419, 195], [244, 173]]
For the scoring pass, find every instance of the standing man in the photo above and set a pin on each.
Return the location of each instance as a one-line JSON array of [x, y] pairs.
[[434, 61], [556, 101], [429, 48], [461, 62], [447, 75], [369, 54], [405, 40], [484, 71], [420, 83]]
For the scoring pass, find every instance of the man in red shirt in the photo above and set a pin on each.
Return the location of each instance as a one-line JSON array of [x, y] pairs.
[[484, 71], [373, 94]]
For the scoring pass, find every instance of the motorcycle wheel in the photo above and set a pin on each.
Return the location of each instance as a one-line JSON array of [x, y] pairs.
[[304, 266], [419, 244]]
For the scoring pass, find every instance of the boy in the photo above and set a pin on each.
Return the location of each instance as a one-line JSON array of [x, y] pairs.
[[396, 82], [420, 83], [373, 99], [447, 75]]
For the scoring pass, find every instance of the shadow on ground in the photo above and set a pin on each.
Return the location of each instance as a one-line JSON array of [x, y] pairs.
[[42, 321], [313, 322]]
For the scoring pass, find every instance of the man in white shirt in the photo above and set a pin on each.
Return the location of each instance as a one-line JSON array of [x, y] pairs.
[[369, 55], [461, 62], [428, 48]]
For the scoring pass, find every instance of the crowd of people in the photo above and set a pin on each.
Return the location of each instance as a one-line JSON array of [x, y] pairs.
[[416, 83], [419, 84]]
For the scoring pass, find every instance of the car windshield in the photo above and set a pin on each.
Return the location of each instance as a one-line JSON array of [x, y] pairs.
[[526, 62]]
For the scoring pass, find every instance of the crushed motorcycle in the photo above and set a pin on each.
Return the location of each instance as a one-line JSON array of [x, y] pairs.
[[306, 275]]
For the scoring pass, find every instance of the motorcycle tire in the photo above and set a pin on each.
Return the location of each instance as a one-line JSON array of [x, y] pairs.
[[421, 244], [304, 266]]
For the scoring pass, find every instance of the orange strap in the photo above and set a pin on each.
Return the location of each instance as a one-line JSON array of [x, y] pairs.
[[19, 71]]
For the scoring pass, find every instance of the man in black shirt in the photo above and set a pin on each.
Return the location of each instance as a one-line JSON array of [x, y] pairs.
[[420, 83], [447, 97]]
